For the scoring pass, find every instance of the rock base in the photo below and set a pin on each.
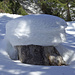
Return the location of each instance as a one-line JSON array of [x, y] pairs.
[[39, 55]]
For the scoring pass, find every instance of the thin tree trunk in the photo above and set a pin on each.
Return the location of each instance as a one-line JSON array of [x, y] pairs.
[[68, 12]]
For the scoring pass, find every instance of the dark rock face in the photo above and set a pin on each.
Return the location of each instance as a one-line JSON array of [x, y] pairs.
[[39, 55]]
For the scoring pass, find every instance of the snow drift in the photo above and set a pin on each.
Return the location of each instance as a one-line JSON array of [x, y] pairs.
[[41, 29], [67, 49]]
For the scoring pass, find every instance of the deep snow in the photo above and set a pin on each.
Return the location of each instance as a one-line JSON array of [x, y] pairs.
[[40, 29], [11, 67]]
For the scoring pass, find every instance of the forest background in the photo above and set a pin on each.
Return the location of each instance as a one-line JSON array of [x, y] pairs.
[[61, 8]]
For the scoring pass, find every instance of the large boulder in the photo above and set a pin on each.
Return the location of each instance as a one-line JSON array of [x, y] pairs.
[[39, 55]]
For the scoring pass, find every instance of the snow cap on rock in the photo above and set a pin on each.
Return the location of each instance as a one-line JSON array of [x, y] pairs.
[[40, 29]]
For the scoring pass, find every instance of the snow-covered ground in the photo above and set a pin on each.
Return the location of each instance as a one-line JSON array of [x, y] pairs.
[[67, 49], [11, 67]]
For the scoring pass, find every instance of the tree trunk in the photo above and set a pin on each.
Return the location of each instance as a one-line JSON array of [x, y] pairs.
[[39, 55], [68, 13]]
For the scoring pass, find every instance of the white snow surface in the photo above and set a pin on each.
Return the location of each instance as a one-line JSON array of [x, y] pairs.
[[11, 67], [67, 49], [38, 29]]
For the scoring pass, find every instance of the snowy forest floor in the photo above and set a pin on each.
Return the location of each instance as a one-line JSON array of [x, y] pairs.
[[11, 67]]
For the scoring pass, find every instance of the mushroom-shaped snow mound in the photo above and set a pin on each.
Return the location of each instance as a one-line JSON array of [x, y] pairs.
[[40, 29]]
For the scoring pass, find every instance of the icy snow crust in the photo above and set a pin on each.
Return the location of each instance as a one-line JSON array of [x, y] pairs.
[[36, 29]]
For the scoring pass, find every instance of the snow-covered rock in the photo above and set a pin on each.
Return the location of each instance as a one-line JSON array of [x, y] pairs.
[[40, 29], [18, 68]]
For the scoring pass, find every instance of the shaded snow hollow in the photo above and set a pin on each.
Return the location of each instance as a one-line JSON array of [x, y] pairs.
[[40, 29]]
